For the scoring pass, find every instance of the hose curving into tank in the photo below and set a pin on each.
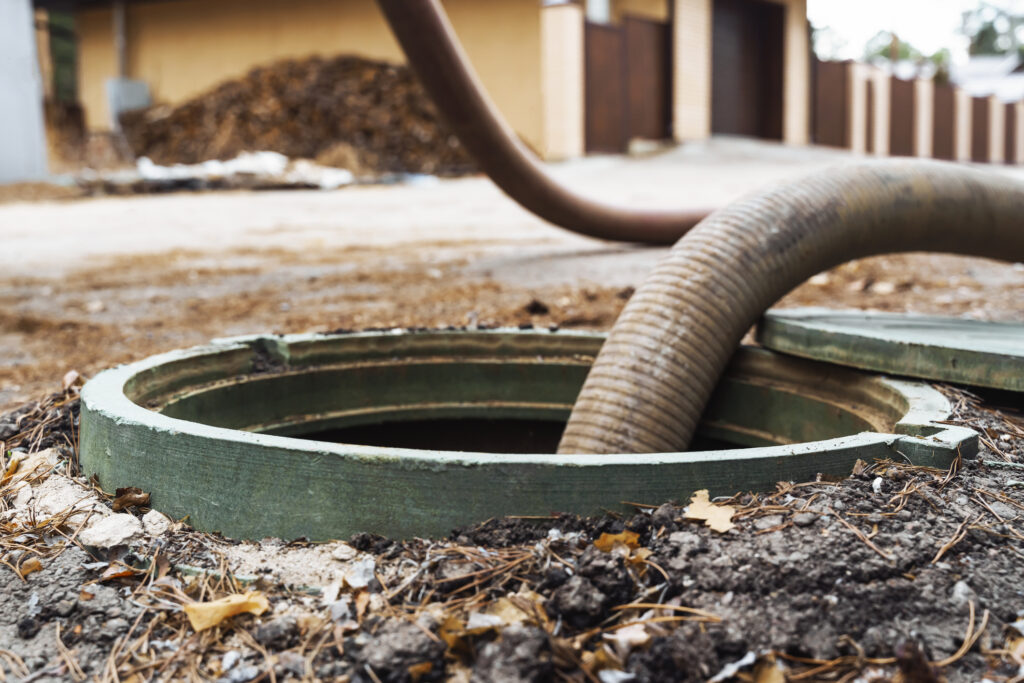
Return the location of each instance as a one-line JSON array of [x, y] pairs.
[[433, 51], [652, 379]]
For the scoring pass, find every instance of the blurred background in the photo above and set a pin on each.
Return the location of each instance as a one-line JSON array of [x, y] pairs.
[[176, 170]]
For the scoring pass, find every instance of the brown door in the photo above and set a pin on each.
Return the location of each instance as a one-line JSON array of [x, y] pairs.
[[979, 129], [944, 112], [746, 68], [831, 104], [649, 80], [902, 113], [605, 89], [1010, 135]]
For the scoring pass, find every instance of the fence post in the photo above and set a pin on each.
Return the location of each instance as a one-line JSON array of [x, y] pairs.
[[880, 112], [962, 128], [924, 116], [996, 130]]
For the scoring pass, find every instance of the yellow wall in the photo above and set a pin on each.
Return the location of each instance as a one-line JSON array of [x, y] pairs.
[[184, 47], [648, 9]]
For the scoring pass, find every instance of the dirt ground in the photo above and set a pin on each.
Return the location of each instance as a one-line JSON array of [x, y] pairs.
[[88, 283], [878, 576]]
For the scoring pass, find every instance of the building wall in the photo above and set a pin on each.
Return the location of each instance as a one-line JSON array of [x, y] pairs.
[[563, 77], [184, 47], [658, 10], [22, 141]]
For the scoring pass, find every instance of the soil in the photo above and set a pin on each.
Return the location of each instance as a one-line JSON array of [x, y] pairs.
[[877, 577], [126, 308], [895, 573]]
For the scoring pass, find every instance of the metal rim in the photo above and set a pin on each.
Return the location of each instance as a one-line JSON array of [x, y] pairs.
[[248, 484]]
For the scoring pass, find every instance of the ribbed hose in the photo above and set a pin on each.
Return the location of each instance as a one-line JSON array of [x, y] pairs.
[[654, 375], [434, 53]]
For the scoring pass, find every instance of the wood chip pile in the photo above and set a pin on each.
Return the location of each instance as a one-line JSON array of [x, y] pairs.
[[369, 117]]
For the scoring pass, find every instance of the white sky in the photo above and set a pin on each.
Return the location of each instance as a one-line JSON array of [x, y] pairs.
[[928, 25]]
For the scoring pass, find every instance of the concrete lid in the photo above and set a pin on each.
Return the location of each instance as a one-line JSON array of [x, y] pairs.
[[972, 352]]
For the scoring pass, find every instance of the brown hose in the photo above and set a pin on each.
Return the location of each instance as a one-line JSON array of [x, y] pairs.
[[654, 375], [434, 53]]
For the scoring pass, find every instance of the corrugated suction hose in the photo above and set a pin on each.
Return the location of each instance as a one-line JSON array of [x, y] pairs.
[[649, 385], [434, 53]]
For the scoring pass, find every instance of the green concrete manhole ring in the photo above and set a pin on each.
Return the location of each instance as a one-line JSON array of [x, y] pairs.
[[211, 432], [972, 352]]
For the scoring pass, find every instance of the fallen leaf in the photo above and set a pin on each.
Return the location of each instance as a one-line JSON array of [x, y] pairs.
[[608, 541], [70, 379], [715, 516], [1015, 648], [640, 556], [627, 639], [859, 467], [204, 615], [12, 466], [418, 671], [128, 497], [451, 631], [362, 602], [85, 596], [116, 571], [767, 670], [30, 565]]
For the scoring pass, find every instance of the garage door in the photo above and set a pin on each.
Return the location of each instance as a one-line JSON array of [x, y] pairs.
[[746, 68]]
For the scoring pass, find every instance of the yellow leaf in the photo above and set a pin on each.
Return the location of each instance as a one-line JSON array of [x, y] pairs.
[[30, 565], [1015, 647], [715, 516], [451, 630], [418, 671], [12, 466], [768, 671], [609, 541], [640, 555], [204, 615]]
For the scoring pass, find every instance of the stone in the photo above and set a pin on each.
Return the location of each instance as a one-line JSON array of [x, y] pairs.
[[277, 632], [804, 518], [343, 552], [156, 523], [113, 530]]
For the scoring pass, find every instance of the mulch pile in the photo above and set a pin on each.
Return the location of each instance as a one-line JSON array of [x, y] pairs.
[[366, 116]]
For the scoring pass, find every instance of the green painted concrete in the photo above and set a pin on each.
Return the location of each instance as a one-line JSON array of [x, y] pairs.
[[190, 428], [972, 352]]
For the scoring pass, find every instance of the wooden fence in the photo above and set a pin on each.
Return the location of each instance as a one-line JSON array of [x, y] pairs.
[[859, 107]]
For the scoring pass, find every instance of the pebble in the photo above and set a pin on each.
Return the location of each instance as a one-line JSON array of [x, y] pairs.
[[767, 522], [156, 523], [241, 675], [961, 593], [344, 552], [65, 607], [114, 628], [114, 530], [228, 661], [804, 518], [276, 632]]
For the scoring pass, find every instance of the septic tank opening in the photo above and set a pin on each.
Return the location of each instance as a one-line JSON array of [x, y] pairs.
[[477, 435]]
